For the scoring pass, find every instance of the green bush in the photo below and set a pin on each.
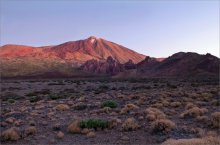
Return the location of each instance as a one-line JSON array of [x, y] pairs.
[[54, 97], [34, 99], [94, 123], [7, 96], [35, 93], [109, 103], [11, 101]]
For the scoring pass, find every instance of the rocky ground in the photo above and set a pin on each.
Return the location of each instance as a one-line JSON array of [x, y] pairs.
[[134, 111]]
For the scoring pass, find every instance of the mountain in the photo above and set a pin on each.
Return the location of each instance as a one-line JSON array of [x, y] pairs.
[[74, 51], [63, 59], [180, 64]]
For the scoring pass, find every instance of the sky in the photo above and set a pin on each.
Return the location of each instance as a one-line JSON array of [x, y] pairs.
[[155, 28]]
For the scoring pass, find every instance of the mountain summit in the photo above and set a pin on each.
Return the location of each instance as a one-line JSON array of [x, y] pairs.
[[72, 53]]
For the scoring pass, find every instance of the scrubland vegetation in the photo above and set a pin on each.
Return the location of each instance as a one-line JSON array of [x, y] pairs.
[[134, 111]]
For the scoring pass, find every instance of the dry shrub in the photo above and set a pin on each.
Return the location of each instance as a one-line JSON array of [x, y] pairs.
[[127, 108], [194, 141], [165, 103], [114, 122], [106, 109], [91, 134], [10, 134], [62, 107], [141, 100], [215, 102], [157, 105], [163, 125], [153, 113], [130, 124], [85, 131], [215, 119], [30, 130], [203, 119], [194, 112], [205, 96], [74, 127], [194, 95], [189, 105], [175, 104], [60, 135]]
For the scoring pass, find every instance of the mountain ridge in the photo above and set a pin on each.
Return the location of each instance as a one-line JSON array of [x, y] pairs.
[[80, 51], [61, 58]]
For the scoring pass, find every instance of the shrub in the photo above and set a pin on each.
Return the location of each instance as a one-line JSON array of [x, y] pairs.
[[153, 113], [74, 127], [94, 123], [91, 134], [114, 122], [172, 86], [193, 141], [8, 96], [194, 112], [54, 97], [175, 104], [189, 105], [11, 101], [128, 108], [103, 87], [62, 107], [30, 130], [106, 109], [34, 99], [162, 125], [80, 106], [157, 105], [35, 93], [10, 134], [215, 118], [109, 103], [130, 124], [203, 119]]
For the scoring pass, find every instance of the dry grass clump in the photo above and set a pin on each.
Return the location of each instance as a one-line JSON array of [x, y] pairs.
[[194, 112], [141, 100], [106, 109], [189, 105], [215, 119], [60, 135], [194, 141], [157, 105], [128, 108], [203, 119], [130, 124], [175, 104], [74, 127], [30, 130], [114, 122], [10, 134], [153, 113], [205, 96], [163, 125], [62, 107], [165, 103], [91, 134]]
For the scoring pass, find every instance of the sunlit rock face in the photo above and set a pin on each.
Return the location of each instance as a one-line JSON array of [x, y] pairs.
[[61, 58], [110, 66]]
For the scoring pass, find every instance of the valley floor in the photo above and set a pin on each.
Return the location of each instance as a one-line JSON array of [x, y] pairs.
[[134, 111]]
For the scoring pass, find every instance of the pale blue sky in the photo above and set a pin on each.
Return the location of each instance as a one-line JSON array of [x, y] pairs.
[[155, 28]]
